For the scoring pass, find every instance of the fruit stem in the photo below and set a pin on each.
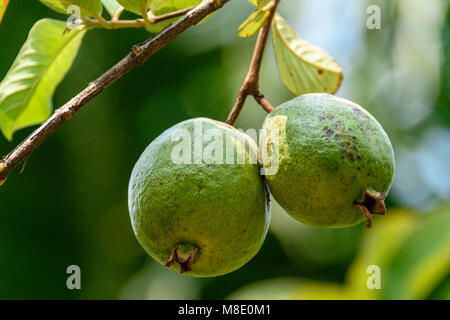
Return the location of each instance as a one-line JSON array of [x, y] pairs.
[[185, 255], [367, 213], [250, 86], [373, 203]]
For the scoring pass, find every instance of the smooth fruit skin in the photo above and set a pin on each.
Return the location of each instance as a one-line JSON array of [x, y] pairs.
[[221, 209], [331, 151]]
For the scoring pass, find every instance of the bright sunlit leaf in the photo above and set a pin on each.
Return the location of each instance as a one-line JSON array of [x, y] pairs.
[[87, 7], [253, 23], [112, 6], [134, 6], [379, 246], [324, 291], [423, 261], [303, 68], [26, 91], [158, 7], [166, 6], [260, 3], [256, 20], [3, 6], [270, 289]]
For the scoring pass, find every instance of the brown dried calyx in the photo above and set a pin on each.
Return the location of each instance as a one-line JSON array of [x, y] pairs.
[[185, 255], [373, 203]]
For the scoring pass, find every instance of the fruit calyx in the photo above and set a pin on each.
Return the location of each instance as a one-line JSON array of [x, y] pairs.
[[185, 255], [373, 203]]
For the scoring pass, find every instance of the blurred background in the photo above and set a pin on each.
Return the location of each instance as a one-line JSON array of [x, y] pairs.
[[69, 206]]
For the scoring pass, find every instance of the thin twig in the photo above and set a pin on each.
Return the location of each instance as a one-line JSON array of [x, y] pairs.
[[116, 15], [136, 57], [113, 24], [102, 21], [144, 12], [170, 15], [24, 165], [137, 23], [259, 97], [250, 86]]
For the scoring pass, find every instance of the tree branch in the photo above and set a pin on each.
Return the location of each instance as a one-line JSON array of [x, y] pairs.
[[250, 86], [136, 57]]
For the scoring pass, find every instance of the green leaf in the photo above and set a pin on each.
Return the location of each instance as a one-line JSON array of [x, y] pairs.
[[379, 246], [324, 291], [159, 7], [87, 7], [424, 260], [292, 289], [3, 6], [260, 3], [166, 6], [112, 6], [303, 68], [270, 289], [134, 6], [442, 291], [253, 23], [27, 89]]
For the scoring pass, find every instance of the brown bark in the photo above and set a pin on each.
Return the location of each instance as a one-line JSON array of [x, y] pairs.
[[250, 86]]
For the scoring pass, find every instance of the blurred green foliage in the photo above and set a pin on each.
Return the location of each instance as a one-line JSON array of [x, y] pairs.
[[411, 251], [69, 206]]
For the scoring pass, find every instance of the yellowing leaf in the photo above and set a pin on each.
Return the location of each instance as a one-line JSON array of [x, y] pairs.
[[260, 3], [26, 91], [303, 68], [3, 6], [253, 23]]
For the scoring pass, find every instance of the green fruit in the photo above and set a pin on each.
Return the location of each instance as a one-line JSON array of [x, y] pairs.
[[335, 162], [201, 217]]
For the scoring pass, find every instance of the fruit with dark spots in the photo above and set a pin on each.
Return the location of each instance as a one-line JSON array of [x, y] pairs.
[[336, 163], [201, 219]]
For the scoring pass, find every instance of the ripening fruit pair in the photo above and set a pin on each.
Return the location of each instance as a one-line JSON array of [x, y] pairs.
[[334, 163]]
